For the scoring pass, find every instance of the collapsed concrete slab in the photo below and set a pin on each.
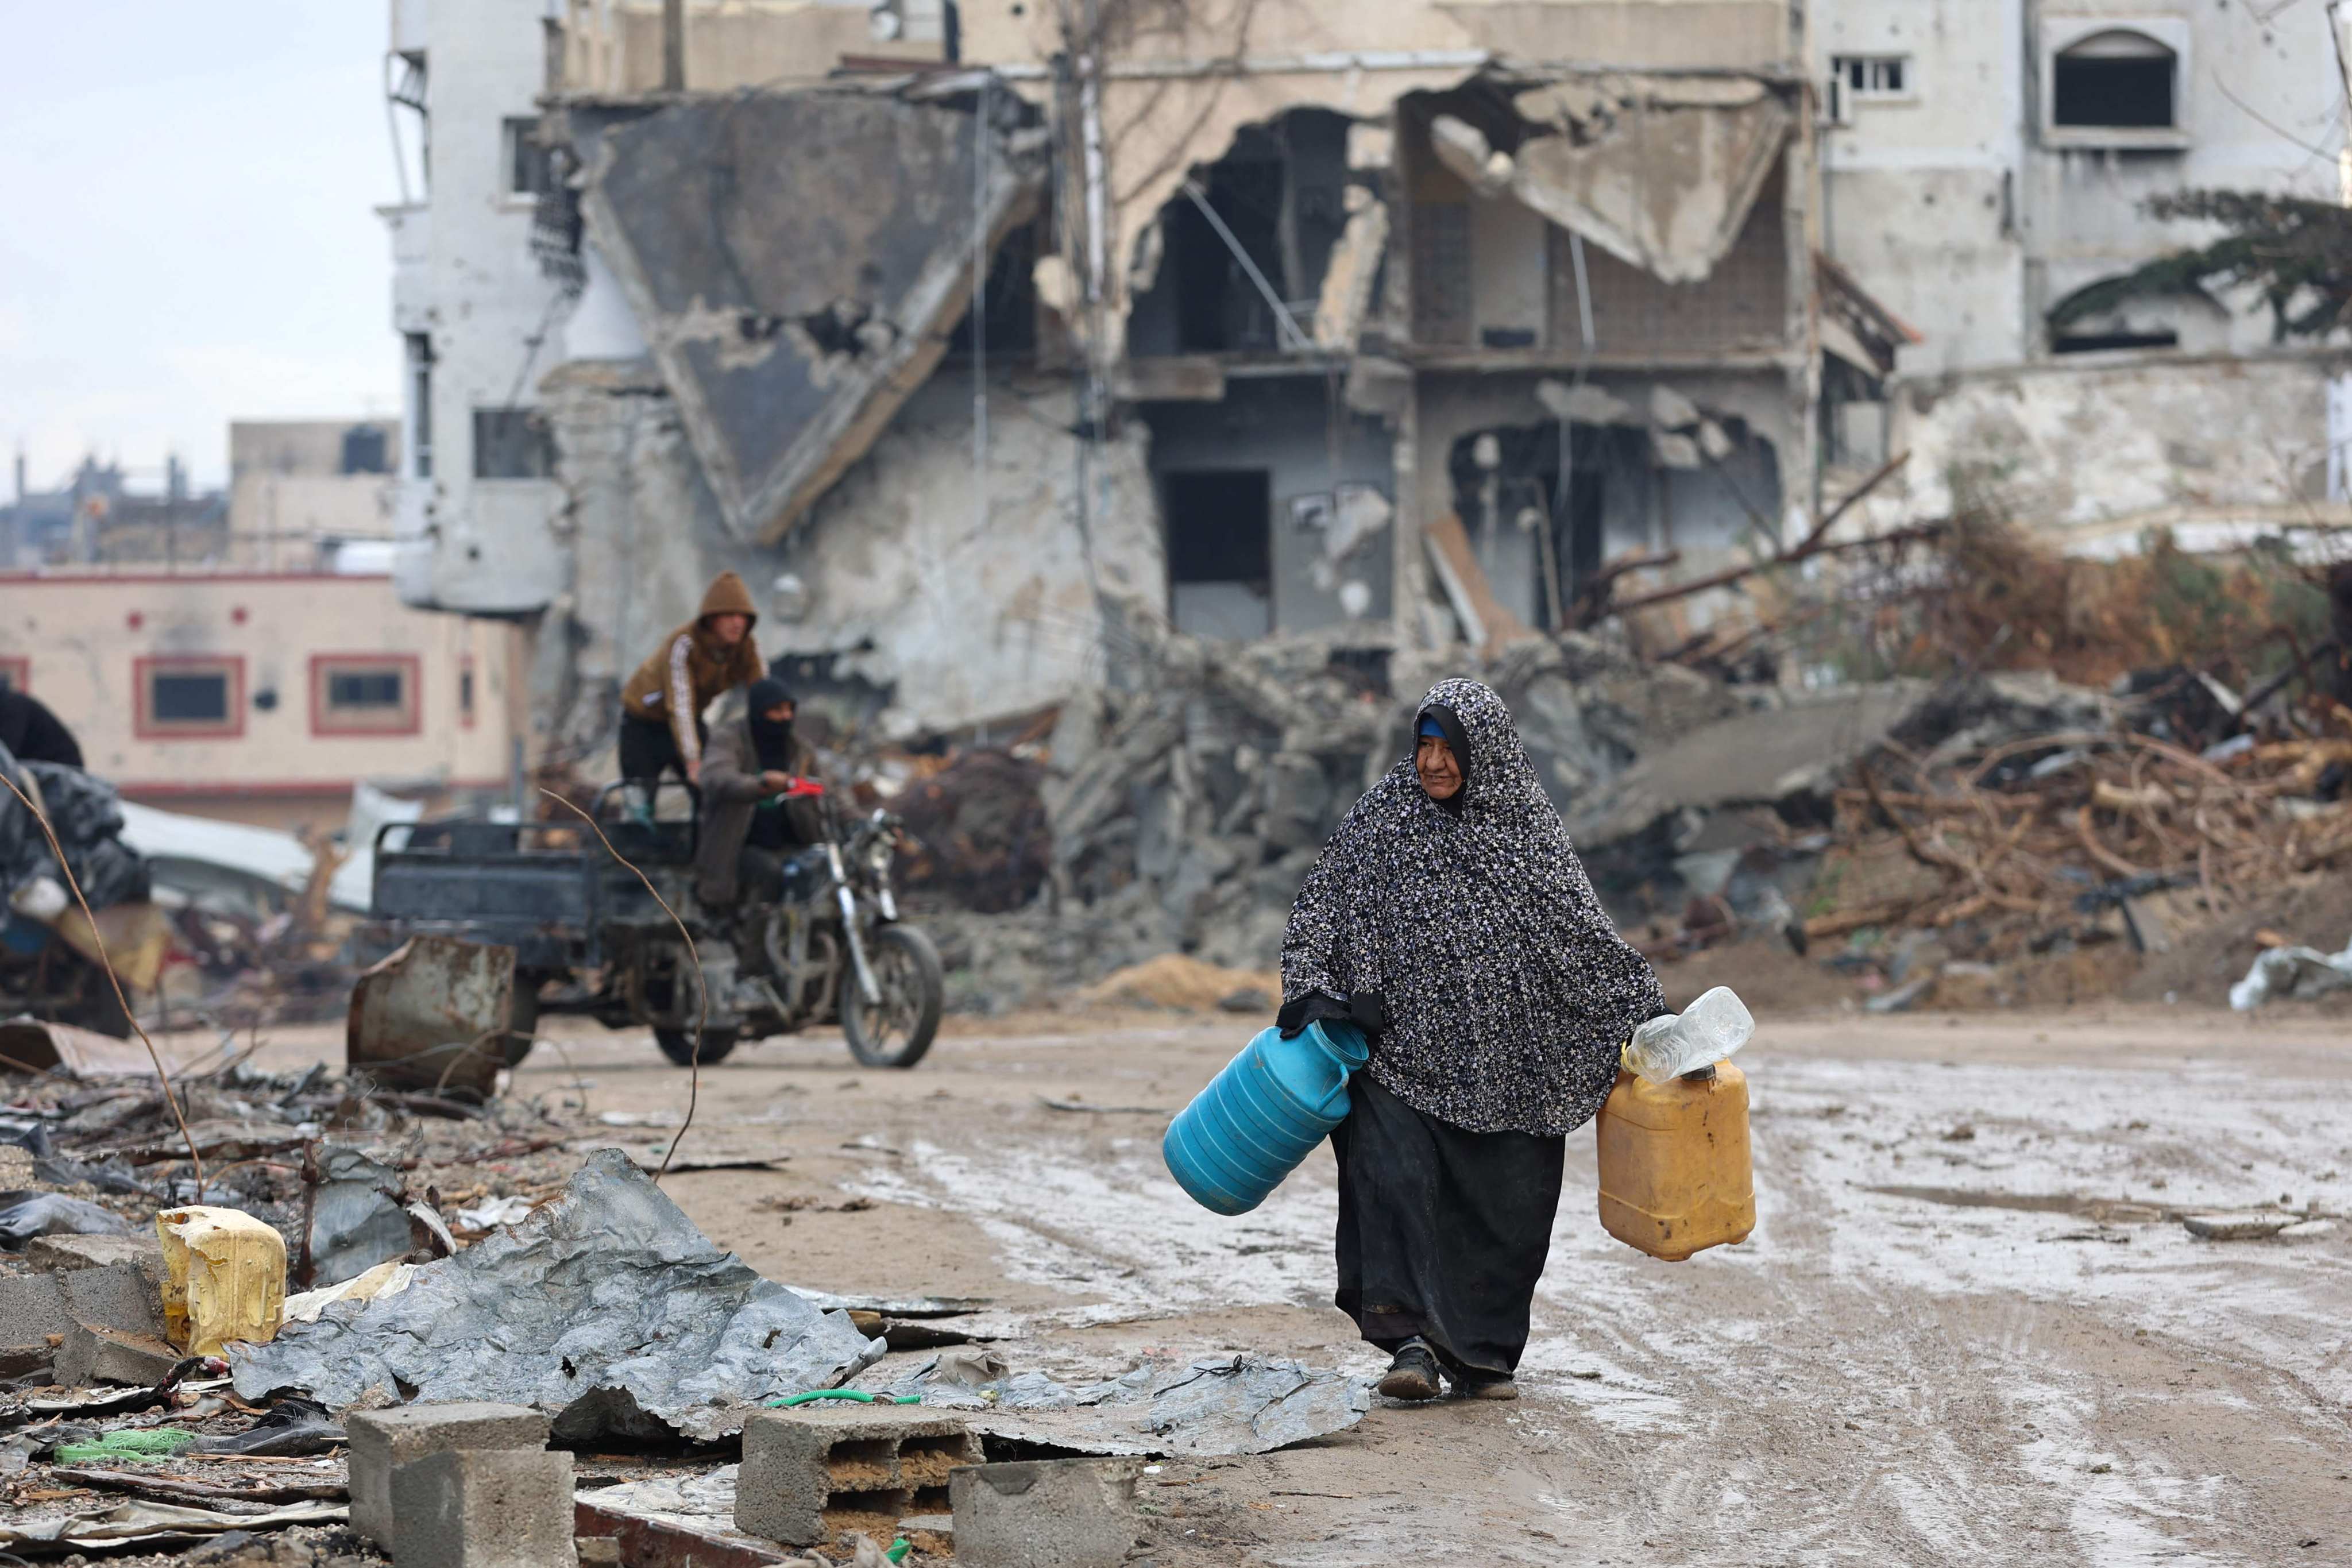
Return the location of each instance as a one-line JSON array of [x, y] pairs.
[[1659, 171], [607, 1308], [796, 261]]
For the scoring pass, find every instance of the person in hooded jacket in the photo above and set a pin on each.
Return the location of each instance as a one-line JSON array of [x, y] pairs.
[[661, 707], [1450, 919], [747, 831]]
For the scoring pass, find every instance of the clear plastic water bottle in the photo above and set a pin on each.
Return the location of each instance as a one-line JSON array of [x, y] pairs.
[[1708, 1031]]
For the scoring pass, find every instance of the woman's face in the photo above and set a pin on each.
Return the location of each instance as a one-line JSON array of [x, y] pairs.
[[1441, 775]]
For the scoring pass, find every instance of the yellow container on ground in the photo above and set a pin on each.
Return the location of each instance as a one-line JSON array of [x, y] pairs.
[[1675, 1174], [224, 1279]]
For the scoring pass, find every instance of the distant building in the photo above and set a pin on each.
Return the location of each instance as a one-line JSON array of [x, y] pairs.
[[96, 516], [262, 697], [302, 493]]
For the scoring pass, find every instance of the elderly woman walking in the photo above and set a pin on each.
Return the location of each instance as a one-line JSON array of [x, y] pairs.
[[1450, 918]]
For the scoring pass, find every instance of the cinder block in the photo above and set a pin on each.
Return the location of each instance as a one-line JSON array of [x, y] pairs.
[[1047, 1513], [116, 1296], [92, 1355], [32, 1312], [812, 1473], [64, 1254], [384, 1440], [483, 1507]]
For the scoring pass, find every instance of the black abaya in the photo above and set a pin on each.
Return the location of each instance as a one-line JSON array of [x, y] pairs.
[[1442, 1232]]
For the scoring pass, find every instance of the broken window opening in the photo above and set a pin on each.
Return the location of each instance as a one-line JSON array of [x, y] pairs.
[[1010, 299], [2102, 342], [1520, 519], [406, 92], [1220, 543], [512, 444], [2116, 80], [1277, 205], [420, 403], [530, 167], [1866, 78]]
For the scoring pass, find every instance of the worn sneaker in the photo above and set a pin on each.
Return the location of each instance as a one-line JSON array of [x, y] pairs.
[[1483, 1387], [1412, 1374]]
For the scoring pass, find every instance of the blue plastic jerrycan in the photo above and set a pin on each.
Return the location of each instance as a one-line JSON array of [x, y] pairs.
[[1262, 1114]]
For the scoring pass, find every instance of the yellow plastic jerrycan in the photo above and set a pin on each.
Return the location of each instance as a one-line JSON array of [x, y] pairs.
[[1675, 1177], [224, 1278]]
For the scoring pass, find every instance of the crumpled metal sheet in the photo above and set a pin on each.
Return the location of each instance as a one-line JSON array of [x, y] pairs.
[[153, 1524], [1241, 1405], [606, 1307], [357, 1220]]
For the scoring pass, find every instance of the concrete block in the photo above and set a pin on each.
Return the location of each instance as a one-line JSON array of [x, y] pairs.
[[91, 1355], [819, 1471], [483, 1507], [1047, 1513], [384, 1440], [114, 1296], [595, 1550], [33, 1312], [64, 1254]]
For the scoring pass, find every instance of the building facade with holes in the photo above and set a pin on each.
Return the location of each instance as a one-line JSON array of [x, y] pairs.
[[1984, 162], [476, 320], [1385, 325], [262, 697]]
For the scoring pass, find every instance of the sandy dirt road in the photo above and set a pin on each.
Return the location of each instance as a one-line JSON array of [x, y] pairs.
[[1966, 1331]]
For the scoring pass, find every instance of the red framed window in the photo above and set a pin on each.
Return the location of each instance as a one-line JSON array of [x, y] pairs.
[[365, 694], [16, 672], [188, 696]]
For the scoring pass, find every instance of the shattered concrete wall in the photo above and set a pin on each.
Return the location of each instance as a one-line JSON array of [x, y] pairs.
[[1647, 504], [1329, 570], [963, 617], [616, 46], [2101, 450], [792, 301]]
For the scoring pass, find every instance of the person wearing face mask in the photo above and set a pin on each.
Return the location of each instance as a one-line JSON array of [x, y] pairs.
[[1450, 920], [748, 829], [661, 707]]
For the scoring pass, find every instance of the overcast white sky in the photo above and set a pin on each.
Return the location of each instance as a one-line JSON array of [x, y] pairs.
[[189, 234]]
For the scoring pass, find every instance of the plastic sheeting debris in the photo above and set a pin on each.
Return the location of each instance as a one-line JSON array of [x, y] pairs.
[[606, 1307], [1244, 1404], [2297, 972], [24, 1216]]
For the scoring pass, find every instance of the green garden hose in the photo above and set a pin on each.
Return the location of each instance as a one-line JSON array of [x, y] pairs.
[[860, 1396]]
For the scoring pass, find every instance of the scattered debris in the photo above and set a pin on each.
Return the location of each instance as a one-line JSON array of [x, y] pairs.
[[2247, 1226], [1245, 1404], [555, 1313]]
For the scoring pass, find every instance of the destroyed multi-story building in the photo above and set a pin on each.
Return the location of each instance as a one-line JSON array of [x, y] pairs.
[[1385, 325]]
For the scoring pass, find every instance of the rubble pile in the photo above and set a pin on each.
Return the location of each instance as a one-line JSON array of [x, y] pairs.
[[1184, 811]]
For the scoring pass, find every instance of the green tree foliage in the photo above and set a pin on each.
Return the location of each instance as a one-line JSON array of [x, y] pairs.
[[2298, 253]]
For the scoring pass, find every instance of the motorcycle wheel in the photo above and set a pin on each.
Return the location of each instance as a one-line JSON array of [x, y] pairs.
[[678, 1045], [913, 984]]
